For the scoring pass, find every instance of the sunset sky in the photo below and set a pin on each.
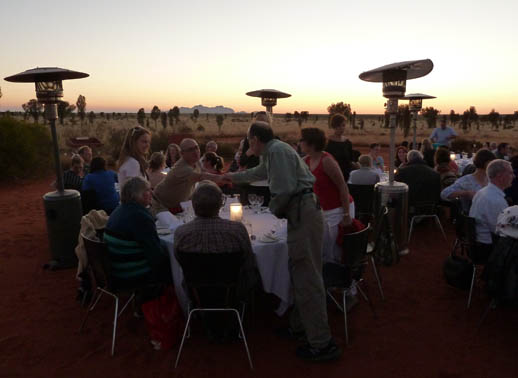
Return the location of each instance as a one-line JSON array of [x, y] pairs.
[[184, 53]]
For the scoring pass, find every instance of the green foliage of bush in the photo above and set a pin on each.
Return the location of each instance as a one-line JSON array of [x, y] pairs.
[[227, 150], [463, 145], [115, 141], [159, 141], [25, 150]]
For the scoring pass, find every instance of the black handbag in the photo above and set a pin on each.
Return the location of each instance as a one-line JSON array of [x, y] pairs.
[[458, 271]]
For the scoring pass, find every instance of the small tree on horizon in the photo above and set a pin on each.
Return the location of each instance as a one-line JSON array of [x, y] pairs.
[[340, 108], [219, 120], [430, 115], [34, 109], [91, 117], [454, 117], [155, 114], [163, 119], [403, 119], [195, 115], [493, 117], [81, 108], [176, 114], [141, 117], [473, 117], [64, 110]]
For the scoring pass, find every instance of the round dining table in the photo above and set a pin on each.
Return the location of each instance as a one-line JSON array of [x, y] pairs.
[[268, 238]]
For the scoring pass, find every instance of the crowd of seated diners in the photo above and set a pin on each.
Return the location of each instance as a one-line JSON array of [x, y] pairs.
[[149, 189]]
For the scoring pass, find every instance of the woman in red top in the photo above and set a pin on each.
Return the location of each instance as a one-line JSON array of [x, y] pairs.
[[330, 188]]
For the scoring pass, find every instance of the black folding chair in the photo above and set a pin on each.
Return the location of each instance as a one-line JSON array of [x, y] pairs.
[[347, 277], [423, 210], [99, 268], [363, 196], [212, 280]]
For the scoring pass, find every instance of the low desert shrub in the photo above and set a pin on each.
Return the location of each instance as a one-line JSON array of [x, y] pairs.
[[159, 140], [25, 150], [462, 145], [227, 150]]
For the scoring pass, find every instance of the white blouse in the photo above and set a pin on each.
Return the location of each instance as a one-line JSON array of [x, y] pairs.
[[130, 168]]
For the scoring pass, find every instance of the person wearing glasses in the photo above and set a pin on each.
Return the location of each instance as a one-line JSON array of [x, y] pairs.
[[179, 183], [132, 159]]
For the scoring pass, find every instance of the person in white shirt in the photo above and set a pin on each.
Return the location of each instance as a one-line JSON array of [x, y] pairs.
[[443, 135], [377, 159], [366, 175], [132, 159], [488, 203]]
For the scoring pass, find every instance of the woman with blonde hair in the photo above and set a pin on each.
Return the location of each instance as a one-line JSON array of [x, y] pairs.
[[132, 159], [156, 167]]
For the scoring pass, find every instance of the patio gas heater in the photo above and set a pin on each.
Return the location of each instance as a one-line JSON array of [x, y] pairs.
[[63, 210], [415, 104], [268, 97], [394, 194]]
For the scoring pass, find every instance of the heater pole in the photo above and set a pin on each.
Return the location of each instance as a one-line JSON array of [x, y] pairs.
[[392, 104], [414, 145], [51, 114]]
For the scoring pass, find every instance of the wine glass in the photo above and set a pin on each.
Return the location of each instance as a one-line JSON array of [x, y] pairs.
[[260, 201], [252, 200]]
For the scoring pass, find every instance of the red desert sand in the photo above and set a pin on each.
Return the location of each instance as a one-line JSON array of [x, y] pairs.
[[422, 329]]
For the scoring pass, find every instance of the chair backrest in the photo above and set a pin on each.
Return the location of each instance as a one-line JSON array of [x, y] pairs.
[[98, 262], [210, 268], [424, 208], [363, 196], [354, 251], [129, 265], [211, 278], [89, 201], [465, 230]]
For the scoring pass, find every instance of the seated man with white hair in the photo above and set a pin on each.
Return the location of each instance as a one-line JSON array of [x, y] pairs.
[[424, 184], [488, 203], [131, 222], [366, 175]]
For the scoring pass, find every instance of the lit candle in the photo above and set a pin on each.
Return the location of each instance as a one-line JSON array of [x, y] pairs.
[[236, 212], [452, 156]]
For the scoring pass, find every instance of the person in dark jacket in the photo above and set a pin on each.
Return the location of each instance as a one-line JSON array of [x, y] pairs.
[[424, 184], [133, 222], [511, 193]]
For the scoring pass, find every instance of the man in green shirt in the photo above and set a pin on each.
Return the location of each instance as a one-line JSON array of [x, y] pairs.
[[292, 197]]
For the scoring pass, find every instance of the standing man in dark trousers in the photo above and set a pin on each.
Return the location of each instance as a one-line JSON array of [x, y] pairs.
[[292, 197]]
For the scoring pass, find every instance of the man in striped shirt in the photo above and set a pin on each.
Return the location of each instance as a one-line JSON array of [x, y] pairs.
[[73, 178]]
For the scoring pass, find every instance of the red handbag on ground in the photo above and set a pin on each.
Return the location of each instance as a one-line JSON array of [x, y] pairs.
[[164, 319]]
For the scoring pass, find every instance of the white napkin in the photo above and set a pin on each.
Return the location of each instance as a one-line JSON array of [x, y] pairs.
[[186, 205], [167, 220]]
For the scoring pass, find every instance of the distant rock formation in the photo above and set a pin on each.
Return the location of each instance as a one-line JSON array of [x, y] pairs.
[[205, 109]]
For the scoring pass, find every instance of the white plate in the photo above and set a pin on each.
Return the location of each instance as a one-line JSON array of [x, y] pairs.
[[267, 239], [163, 231]]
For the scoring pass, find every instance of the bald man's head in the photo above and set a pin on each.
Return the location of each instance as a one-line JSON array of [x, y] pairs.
[[190, 150]]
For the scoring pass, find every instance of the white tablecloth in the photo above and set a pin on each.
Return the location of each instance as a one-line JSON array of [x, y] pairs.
[[463, 163], [272, 259]]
